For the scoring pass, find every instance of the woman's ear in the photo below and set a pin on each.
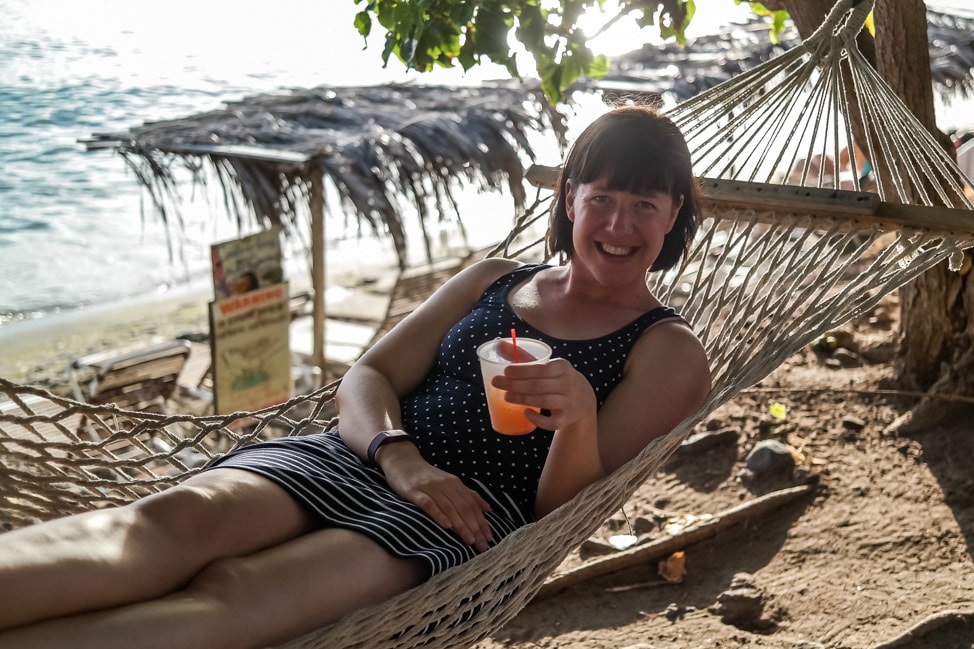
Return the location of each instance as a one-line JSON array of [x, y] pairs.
[[570, 200], [677, 206]]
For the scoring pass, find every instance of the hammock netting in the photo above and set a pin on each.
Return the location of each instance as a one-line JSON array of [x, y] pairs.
[[791, 246]]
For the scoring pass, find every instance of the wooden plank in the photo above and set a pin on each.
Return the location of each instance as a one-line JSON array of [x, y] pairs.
[[864, 207], [661, 547]]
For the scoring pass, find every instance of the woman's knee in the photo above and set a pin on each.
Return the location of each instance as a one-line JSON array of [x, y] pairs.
[[180, 516], [215, 512], [229, 583]]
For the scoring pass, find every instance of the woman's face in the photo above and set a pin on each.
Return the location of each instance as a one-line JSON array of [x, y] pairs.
[[618, 234]]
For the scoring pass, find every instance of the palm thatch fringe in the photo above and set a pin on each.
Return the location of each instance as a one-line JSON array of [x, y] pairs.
[[383, 149]]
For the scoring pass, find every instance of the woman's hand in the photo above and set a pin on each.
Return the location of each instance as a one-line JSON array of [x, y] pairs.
[[442, 495], [554, 386]]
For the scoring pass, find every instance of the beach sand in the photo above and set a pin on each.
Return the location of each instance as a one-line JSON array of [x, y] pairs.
[[39, 351]]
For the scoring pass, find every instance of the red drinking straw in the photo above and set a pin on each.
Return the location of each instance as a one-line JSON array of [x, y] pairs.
[[514, 343]]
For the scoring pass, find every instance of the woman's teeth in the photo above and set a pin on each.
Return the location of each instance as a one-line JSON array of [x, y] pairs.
[[615, 250]]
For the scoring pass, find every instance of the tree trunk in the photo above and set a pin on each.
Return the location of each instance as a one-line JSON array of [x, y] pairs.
[[936, 347], [936, 327]]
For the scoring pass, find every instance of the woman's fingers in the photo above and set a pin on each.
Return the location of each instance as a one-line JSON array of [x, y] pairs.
[[455, 506], [553, 386], [466, 508]]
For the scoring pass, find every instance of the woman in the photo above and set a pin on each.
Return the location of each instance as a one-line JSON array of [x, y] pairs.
[[285, 536]]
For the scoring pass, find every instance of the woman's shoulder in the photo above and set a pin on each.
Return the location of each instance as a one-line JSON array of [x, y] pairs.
[[492, 269], [671, 342]]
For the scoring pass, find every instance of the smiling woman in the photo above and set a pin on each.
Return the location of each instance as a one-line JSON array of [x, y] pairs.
[[365, 519]]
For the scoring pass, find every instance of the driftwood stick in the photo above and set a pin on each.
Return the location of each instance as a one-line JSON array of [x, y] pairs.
[[668, 544], [926, 626]]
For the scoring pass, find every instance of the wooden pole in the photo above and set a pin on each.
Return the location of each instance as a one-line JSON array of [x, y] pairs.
[[663, 546], [316, 202]]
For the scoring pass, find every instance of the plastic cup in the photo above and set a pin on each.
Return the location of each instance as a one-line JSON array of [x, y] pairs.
[[508, 418]]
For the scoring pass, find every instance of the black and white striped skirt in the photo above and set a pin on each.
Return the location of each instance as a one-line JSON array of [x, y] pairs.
[[320, 472]]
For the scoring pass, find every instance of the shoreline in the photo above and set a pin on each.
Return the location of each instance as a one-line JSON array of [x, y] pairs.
[[38, 351]]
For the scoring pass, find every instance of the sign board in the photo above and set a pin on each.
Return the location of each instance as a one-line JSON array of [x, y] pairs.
[[245, 264], [251, 355]]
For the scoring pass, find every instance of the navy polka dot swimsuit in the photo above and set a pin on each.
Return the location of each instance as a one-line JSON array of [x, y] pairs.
[[447, 414]]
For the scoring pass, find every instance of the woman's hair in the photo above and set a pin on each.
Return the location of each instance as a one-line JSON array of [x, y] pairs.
[[635, 149]]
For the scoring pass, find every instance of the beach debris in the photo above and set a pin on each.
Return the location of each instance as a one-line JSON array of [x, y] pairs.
[[675, 611], [676, 523], [838, 349], [778, 410], [700, 443], [742, 605], [842, 358], [623, 541], [771, 465], [770, 456], [674, 568]]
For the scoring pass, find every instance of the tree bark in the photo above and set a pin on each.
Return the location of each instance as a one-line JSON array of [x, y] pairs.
[[936, 326]]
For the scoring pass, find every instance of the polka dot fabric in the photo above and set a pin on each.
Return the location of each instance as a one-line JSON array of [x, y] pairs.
[[447, 415]]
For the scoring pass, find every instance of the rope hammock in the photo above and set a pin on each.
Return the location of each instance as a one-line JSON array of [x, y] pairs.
[[790, 247]]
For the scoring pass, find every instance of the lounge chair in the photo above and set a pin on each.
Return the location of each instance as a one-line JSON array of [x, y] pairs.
[[413, 285], [142, 379]]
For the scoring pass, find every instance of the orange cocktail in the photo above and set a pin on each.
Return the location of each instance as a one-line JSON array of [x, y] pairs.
[[508, 418]]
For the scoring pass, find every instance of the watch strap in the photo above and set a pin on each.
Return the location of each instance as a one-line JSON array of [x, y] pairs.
[[381, 439]]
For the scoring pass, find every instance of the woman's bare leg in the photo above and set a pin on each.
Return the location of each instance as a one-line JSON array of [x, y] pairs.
[[141, 551], [242, 603]]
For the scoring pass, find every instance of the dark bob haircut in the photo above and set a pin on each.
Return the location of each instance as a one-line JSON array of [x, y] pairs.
[[636, 149]]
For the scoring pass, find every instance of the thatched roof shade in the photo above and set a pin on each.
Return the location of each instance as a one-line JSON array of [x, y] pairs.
[[380, 147], [714, 58]]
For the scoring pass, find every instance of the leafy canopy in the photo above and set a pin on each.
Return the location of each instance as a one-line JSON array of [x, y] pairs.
[[424, 34]]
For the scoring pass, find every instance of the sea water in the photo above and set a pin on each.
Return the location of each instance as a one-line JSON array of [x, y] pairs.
[[75, 227]]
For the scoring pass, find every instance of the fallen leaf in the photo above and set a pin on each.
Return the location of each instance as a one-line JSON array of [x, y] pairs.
[[674, 568], [778, 410]]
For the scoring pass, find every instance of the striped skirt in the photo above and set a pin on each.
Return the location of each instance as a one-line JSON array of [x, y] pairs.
[[321, 473]]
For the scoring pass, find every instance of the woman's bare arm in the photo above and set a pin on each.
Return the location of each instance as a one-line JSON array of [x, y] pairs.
[[667, 378], [368, 397]]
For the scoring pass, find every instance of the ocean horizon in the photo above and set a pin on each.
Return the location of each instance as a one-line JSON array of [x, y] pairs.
[[76, 229]]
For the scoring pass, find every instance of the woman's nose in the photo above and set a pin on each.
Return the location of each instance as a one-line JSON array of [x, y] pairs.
[[619, 219]]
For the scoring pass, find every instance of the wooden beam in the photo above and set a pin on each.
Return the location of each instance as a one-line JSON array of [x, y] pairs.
[[282, 157], [316, 203], [864, 207], [261, 154]]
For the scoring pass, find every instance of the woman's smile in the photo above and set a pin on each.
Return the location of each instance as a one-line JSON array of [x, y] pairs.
[[614, 250]]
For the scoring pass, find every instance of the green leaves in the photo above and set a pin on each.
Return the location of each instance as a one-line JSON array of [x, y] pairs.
[[428, 33], [674, 18], [778, 19]]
